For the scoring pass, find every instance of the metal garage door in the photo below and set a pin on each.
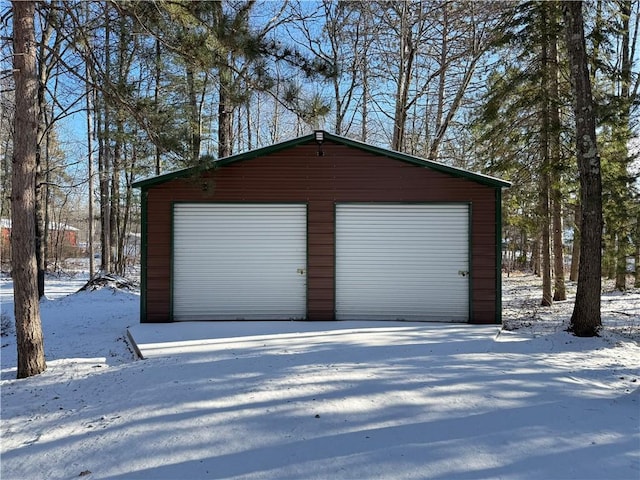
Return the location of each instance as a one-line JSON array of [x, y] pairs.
[[408, 262], [239, 261]]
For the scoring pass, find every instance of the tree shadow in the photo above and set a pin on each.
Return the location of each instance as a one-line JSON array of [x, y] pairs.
[[392, 401]]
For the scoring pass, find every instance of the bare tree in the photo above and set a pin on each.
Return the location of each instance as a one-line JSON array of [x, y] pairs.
[[344, 44], [30, 342], [90, 93], [474, 27], [409, 20]]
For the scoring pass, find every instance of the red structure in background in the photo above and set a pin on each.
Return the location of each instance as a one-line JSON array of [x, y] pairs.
[[62, 238]]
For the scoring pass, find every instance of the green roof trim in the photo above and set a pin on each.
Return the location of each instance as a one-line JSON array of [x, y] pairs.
[[439, 167]]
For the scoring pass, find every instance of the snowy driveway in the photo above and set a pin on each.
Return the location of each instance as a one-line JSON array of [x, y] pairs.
[[303, 400], [392, 400]]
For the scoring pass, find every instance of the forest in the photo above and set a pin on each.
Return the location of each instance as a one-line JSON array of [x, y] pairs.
[[130, 89]]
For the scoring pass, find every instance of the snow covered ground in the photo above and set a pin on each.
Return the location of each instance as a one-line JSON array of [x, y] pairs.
[[289, 400]]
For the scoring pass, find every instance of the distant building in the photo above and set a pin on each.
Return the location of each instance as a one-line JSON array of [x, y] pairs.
[[61, 237]]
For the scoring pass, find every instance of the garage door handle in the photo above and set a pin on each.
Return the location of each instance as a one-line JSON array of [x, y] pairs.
[[462, 273], [301, 271]]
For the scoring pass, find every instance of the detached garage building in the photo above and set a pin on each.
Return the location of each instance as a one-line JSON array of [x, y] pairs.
[[321, 228]]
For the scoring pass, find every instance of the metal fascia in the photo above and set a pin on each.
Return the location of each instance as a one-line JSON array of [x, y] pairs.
[[222, 162], [457, 172], [171, 260], [440, 167], [470, 259], [498, 256], [143, 256]]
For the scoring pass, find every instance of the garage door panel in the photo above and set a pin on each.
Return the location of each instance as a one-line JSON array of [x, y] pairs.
[[239, 261], [402, 262]]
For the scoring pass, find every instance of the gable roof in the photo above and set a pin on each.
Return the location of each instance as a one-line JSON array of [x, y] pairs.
[[439, 167]]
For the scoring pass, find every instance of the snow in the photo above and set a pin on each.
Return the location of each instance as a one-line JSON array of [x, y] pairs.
[[291, 400]]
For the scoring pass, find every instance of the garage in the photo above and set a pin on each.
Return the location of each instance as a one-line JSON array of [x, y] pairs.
[[239, 262], [321, 228], [402, 262]]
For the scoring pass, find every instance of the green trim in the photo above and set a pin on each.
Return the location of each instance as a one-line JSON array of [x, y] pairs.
[[171, 259], [439, 167], [470, 260], [335, 260], [186, 172], [306, 267], [498, 204], [143, 256]]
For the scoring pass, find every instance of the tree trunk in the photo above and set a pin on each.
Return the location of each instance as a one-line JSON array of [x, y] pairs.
[[119, 149], [41, 224], [194, 117], [609, 255], [559, 289], [127, 209], [274, 125], [5, 169], [545, 242], [47, 53], [103, 186], [225, 113], [586, 317], [250, 125], [89, 99], [39, 219], [404, 79], [545, 168], [114, 201], [364, 129], [524, 246], [621, 263], [30, 341], [47, 194], [625, 94], [637, 256], [156, 99], [535, 257], [575, 249], [442, 80], [104, 164]]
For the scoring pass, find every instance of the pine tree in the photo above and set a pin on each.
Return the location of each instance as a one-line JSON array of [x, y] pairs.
[[30, 342], [586, 317], [520, 118]]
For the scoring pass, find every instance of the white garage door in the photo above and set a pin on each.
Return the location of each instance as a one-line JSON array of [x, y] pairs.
[[402, 262], [239, 261]]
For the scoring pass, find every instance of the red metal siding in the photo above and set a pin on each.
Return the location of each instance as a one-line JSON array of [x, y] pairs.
[[343, 174]]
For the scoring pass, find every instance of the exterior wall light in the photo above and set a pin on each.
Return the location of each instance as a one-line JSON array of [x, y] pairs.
[[319, 136]]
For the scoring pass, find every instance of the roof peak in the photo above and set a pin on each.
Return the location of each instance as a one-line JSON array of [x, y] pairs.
[[321, 136]]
